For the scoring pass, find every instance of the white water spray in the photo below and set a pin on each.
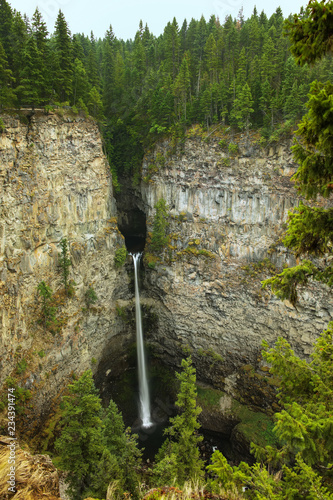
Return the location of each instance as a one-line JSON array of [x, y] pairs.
[[143, 382]]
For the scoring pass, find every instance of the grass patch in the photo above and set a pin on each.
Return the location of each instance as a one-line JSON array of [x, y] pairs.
[[256, 426], [209, 398]]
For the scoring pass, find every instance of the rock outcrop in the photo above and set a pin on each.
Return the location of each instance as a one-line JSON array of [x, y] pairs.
[[55, 184], [226, 217]]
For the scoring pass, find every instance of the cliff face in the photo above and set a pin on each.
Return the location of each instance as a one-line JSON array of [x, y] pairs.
[[204, 294], [226, 215], [55, 183]]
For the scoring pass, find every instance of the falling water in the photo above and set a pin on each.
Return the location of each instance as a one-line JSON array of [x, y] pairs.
[[143, 382]]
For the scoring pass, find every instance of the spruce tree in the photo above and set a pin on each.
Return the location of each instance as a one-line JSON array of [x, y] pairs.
[[64, 67], [32, 75], [64, 263], [7, 96], [179, 458], [48, 311], [81, 442]]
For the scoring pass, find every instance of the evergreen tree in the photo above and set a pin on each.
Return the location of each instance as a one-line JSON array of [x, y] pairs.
[[301, 467], [7, 96], [40, 34], [6, 30], [48, 311], [94, 446], [19, 39], [310, 32], [64, 68], [32, 75], [182, 87], [95, 104], [81, 442], [64, 263], [80, 82], [310, 229], [159, 239], [242, 109], [179, 458]]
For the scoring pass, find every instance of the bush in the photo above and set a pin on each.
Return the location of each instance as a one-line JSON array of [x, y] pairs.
[[233, 148], [90, 296], [120, 256], [159, 238]]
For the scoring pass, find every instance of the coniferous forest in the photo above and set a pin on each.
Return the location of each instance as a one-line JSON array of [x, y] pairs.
[[242, 73], [236, 71]]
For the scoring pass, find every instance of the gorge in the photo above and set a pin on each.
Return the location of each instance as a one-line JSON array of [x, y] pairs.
[[202, 295]]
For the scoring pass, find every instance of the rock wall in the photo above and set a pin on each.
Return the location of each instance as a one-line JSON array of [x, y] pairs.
[[56, 183], [226, 217]]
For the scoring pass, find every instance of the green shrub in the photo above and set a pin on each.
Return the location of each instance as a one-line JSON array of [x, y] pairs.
[[159, 238], [90, 296], [21, 366], [223, 143], [120, 256], [233, 148]]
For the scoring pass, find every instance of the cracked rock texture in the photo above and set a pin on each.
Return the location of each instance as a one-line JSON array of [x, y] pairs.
[[55, 183], [226, 217]]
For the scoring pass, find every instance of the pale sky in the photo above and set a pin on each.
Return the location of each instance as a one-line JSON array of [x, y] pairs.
[[84, 16]]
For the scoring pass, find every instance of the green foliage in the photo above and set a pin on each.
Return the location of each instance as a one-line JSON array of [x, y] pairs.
[[141, 89], [48, 311], [21, 366], [314, 148], [310, 228], [178, 459], [285, 284], [90, 296], [120, 256], [94, 446], [81, 442], [303, 426], [311, 32], [64, 263], [233, 148], [160, 224], [306, 394]]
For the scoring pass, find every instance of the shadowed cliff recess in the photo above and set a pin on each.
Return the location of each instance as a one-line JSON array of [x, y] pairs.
[[131, 217]]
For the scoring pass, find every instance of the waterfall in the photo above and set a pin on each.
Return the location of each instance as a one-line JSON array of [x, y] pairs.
[[143, 382]]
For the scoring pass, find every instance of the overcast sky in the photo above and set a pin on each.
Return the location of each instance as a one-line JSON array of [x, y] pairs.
[[84, 16]]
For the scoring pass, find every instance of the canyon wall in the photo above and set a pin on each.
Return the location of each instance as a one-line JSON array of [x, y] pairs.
[[56, 183], [202, 295], [226, 218]]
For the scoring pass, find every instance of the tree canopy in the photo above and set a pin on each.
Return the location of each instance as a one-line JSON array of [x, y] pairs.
[[310, 228]]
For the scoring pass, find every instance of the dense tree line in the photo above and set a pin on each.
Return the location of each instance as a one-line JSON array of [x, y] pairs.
[[239, 72]]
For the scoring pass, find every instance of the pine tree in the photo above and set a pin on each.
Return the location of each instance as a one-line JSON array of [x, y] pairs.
[[179, 458], [7, 96], [32, 76], [64, 71], [40, 35], [81, 443], [159, 239], [80, 82], [64, 263], [95, 104], [48, 311], [242, 109], [182, 87], [6, 29]]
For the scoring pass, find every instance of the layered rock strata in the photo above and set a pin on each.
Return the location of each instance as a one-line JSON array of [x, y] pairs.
[[226, 217], [56, 183]]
